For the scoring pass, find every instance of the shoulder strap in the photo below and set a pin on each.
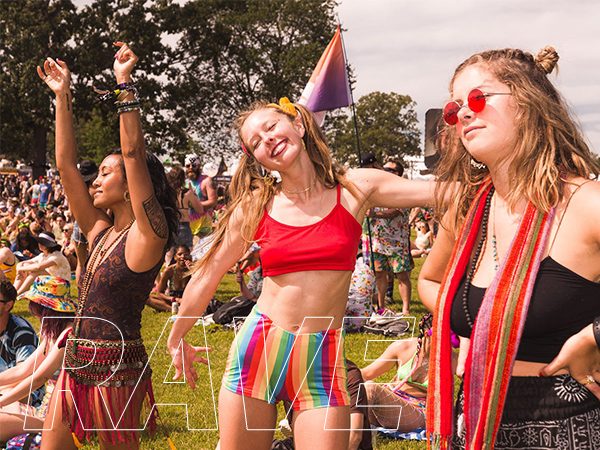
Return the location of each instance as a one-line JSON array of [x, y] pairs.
[[339, 192], [562, 216]]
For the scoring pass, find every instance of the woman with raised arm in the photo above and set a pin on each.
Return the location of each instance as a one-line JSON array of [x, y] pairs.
[[505, 268], [308, 228], [126, 252]]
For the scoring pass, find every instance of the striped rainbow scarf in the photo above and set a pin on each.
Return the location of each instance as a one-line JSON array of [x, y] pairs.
[[497, 332]]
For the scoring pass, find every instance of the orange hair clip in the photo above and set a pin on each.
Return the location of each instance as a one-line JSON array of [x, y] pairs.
[[286, 106]]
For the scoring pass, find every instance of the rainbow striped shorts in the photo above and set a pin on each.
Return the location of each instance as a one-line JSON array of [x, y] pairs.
[[271, 364]]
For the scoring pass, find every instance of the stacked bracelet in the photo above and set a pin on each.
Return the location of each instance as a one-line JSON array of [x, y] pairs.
[[596, 328], [132, 105]]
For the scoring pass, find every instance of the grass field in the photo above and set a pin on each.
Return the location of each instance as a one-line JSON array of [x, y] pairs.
[[190, 416]]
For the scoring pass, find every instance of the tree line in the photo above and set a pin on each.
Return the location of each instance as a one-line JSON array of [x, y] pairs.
[[200, 63]]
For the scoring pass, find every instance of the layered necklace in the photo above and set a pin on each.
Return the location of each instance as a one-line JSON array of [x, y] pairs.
[[97, 255], [301, 191], [475, 261]]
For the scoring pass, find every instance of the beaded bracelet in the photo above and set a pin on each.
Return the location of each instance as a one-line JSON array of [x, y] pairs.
[[135, 102], [126, 109], [596, 329]]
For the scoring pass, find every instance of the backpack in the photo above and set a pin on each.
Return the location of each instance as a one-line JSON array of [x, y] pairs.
[[238, 307], [394, 328]]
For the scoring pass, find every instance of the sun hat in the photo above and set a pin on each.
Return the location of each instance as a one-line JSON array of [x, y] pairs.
[[51, 292], [47, 239]]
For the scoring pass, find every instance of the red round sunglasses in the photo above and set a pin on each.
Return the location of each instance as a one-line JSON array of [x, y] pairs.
[[475, 101]]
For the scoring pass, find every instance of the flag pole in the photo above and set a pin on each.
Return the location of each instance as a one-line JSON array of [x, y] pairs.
[[367, 220], [351, 94]]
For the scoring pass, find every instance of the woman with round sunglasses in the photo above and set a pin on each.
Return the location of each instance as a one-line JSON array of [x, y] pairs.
[[505, 273], [308, 228], [105, 385]]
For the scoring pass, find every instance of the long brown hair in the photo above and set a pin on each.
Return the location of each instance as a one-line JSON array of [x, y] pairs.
[[251, 190], [551, 144]]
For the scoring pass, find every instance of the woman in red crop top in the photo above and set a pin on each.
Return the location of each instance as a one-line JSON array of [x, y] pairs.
[[516, 265], [105, 360], [308, 228]]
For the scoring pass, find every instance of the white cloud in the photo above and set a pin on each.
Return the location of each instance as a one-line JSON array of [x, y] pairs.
[[413, 47]]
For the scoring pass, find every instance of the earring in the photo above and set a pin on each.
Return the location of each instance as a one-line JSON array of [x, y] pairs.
[[477, 164], [303, 145], [269, 180], [126, 196]]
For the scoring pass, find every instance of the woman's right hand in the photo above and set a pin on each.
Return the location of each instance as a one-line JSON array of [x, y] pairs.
[[184, 356], [56, 75]]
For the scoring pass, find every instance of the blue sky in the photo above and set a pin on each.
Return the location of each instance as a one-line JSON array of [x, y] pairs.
[[412, 47]]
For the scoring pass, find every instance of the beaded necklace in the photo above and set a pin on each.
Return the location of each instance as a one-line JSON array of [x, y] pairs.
[[474, 263], [97, 255], [494, 244]]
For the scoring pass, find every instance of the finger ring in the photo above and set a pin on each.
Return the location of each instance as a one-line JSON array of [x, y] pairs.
[[588, 380]]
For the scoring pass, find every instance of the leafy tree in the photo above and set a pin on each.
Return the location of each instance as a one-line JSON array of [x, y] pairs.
[[387, 127], [30, 30], [200, 63], [233, 53]]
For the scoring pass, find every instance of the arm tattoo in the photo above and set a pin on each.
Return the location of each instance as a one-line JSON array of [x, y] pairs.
[[156, 217], [68, 107]]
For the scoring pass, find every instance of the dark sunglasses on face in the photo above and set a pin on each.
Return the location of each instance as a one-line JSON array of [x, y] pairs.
[[475, 101], [193, 166], [389, 169]]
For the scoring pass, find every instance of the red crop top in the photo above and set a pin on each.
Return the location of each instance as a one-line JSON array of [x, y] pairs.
[[329, 244]]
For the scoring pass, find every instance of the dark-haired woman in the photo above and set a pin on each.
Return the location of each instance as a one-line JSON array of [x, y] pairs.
[[50, 261], [50, 301], [505, 270], [308, 228], [126, 253]]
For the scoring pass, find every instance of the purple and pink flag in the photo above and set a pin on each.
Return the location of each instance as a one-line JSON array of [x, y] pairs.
[[328, 87]]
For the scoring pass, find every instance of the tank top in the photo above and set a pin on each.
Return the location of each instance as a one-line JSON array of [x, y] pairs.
[[117, 294], [549, 323], [329, 244], [10, 270], [405, 369]]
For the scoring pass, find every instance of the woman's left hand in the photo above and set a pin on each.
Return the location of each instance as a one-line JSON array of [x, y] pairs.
[[125, 61], [580, 356]]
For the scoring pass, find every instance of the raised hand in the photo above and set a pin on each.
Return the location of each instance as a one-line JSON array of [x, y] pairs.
[[56, 75], [125, 61], [184, 356]]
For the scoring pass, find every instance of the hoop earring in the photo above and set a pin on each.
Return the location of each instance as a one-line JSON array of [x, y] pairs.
[[303, 144], [126, 196], [477, 164]]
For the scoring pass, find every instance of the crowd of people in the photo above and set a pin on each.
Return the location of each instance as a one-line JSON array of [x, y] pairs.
[[515, 182]]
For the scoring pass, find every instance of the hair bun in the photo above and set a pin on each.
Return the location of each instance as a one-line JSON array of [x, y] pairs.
[[546, 59]]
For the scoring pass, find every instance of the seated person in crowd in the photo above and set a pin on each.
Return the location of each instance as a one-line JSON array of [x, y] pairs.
[[68, 246], [25, 246], [8, 261], [50, 301], [423, 242], [50, 262], [400, 404], [172, 281], [18, 339], [253, 288]]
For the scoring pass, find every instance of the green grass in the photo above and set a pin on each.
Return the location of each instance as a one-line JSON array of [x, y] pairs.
[[201, 403]]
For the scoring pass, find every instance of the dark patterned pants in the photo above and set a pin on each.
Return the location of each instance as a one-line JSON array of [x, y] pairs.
[[542, 413]]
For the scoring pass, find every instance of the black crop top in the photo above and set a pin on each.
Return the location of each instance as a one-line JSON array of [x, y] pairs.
[[562, 304]]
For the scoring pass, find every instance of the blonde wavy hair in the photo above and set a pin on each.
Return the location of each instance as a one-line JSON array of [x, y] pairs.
[[251, 190], [550, 143]]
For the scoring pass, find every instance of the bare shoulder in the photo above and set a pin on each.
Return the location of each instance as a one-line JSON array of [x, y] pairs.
[[404, 348]]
